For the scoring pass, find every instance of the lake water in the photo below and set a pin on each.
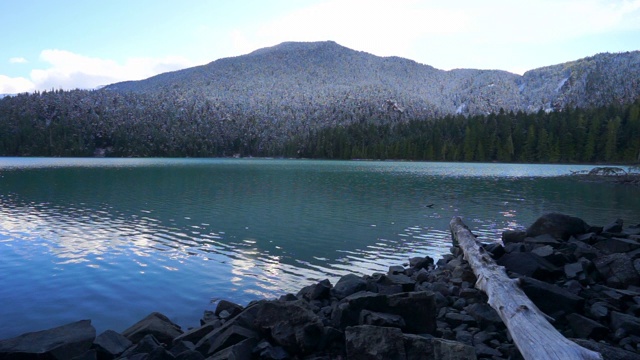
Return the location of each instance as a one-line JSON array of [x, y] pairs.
[[114, 239]]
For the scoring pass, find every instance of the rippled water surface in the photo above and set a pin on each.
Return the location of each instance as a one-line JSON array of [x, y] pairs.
[[114, 239]]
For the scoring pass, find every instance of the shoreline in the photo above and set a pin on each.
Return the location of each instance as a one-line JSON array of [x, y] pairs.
[[586, 278]]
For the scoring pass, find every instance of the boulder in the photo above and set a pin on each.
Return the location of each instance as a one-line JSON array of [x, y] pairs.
[[513, 236], [618, 270], [291, 325], [318, 291], [240, 351], [418, 347], [231, 336], [529, 264], [366, 342], [608, 352], [418, 309], [227, 310], [616, 245], [418, 263], [484, 314], [452, 350], [381, 319], [614, 227], [348, 285], [110, 344], [195, 334], [630, 324], [551, 299], [155, 324], [62, 342], [146, 345], [586, 328], [560, 226]]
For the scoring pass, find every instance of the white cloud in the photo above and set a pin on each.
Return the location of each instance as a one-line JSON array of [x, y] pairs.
[[15, 85], [18, 60], [67, 70]]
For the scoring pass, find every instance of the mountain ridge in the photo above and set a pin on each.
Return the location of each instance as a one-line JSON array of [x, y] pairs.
[[322, 72]]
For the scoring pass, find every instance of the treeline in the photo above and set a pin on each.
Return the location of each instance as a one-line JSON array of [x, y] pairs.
[[170, 124], [607, 134]]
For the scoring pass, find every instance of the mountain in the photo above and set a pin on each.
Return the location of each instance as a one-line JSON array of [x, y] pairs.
[[293, 77]]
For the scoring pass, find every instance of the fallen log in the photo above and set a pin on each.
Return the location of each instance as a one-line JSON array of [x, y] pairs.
[[534, 336]]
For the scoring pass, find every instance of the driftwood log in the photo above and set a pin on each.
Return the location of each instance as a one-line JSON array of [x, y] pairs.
[[534, 336]]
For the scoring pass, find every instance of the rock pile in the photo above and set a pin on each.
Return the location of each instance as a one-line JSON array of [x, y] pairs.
[[585, 278]]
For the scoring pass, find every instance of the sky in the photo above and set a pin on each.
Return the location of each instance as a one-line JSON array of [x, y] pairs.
[[69, 44]]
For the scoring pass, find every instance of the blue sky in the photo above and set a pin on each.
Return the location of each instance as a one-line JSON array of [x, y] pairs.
[[67, 44]]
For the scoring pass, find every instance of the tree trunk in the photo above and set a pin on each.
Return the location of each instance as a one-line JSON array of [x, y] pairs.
[[534, 336]]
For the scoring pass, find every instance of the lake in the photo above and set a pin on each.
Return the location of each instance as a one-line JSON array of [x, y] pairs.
[[114, 239]]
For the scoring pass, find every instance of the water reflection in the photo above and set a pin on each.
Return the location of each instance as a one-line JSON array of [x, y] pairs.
[[169, 235]]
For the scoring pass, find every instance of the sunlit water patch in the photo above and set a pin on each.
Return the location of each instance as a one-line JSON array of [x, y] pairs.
[[114, 239]]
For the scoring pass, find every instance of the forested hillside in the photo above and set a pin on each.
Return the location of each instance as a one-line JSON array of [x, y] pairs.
[[90, 123], [323, 100]]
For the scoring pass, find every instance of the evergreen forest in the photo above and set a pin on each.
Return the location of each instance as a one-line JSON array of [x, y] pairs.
[[108, 123]]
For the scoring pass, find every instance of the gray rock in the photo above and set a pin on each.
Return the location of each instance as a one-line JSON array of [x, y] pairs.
[[146, 345], [418, 263], [629, 323], [194, 335], [484, 314], [232, 309], [513, 236], [348, 285], [608, 352], [63, 342], [560, 226], [231, 336], [529, 264], [240, 351], [614, 227], [366, 342], [456, 319], [396, 270], [189, 355], [551, 299], [160, 353], [381, 319], [586, 328], [269, 352], [291, 325], [319, 291], [155, 324], [599, 310], [618, 269], [111, 343], [418, 347], [543, 239], [418, 309], [452, 350], [616, 245], [91, 354]]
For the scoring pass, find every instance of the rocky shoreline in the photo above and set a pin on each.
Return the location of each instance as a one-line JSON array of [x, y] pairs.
[[585, 278]]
